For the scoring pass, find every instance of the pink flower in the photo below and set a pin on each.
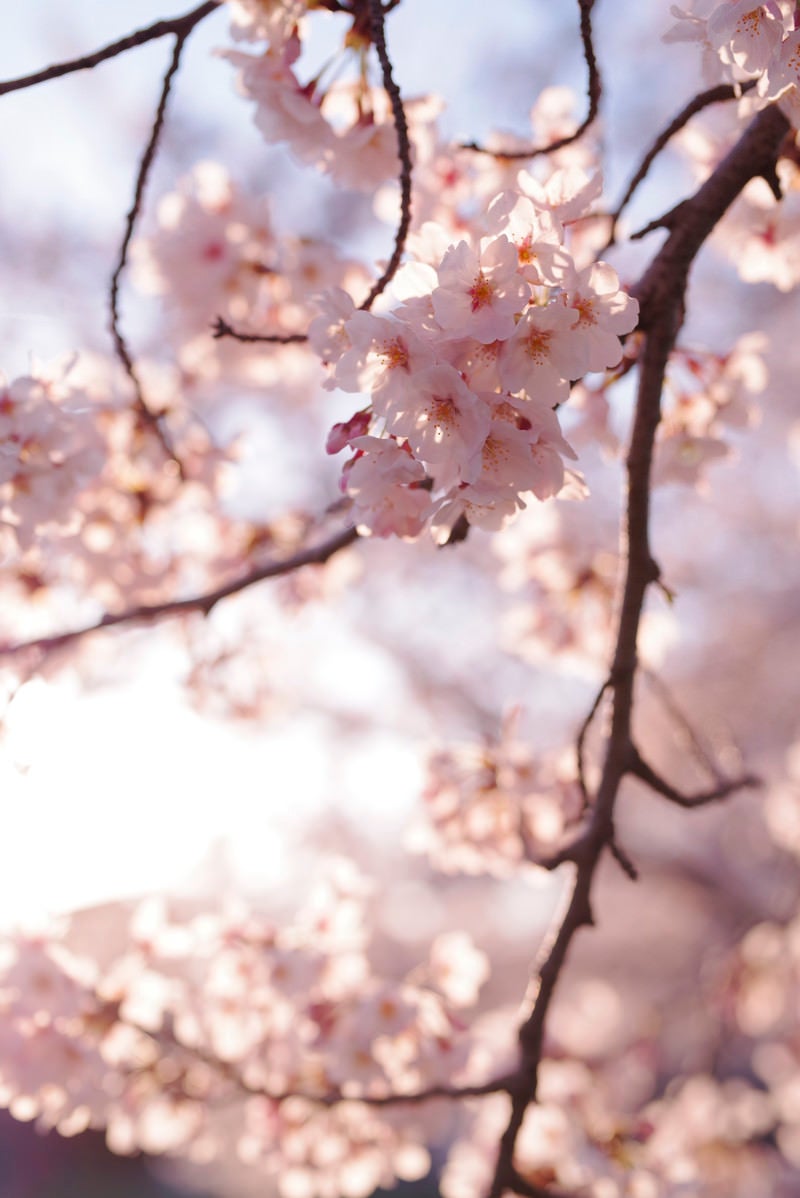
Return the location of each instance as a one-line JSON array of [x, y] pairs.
[[383, 356], [444, 423], [536, 235], [285, 111], [543, 353], [479, 293], [781, 80], [383, 480], [744, 34], [604, 314], [327, 333]]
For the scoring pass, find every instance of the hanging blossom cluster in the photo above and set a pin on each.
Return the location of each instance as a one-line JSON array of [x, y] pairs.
[[50, 450], [223, 1009], [465, 373], [343, 127], [742, 40]]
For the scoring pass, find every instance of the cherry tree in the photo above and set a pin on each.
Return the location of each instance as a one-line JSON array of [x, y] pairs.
[[505, 412]]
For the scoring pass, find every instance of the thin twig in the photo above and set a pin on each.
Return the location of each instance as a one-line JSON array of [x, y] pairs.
[[670, 705], [403, 152], [581, 740], [377, 14], [623, 860], [155, 422], [148, 613], [179, 26], [713, 95], [221, 328], [645, 773], [594, 89]]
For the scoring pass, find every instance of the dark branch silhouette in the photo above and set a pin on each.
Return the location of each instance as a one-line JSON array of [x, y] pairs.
[[179, 26], [594, 89], [645, 773], [378, 34], [403, 153], [221, 328], [661, 294], [120, 345], [150, 613], [714, 95]]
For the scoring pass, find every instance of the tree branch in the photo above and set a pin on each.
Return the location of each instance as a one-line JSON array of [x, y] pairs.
[[661, 296], [377, 17], [714, 95], [378, 33], [645, 773], [594, 88], [179, 26], [581, 741], [120, 345], [221, 328], [149, 613]]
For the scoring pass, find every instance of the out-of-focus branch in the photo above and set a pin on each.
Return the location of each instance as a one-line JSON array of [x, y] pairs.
[[645, 773], [661, 294], [668, 702], [520, 1185], [580, 742], [713, 95], [150, 613], [221, 328], [594, 88], [179, 26], [378, 29], [120, 344]]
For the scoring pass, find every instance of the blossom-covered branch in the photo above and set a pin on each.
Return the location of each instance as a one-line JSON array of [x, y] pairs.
[[661, 295], [149, 613]]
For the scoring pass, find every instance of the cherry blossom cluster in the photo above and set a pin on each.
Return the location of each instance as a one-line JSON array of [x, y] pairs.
[[50, 450], [492, 808], [342, 127], [579, 1138], [465, 373], [214, 253], [742, 40], [709, 394], [227, 1007]]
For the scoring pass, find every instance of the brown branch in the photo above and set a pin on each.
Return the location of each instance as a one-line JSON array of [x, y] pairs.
[[520, 1185], [726, 787], [179, 26], [661, 297], [581, 741], [155, 422], [377, 14], [149, 613], [713, 95], [221, 328], [594, 89], [377, 17]]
